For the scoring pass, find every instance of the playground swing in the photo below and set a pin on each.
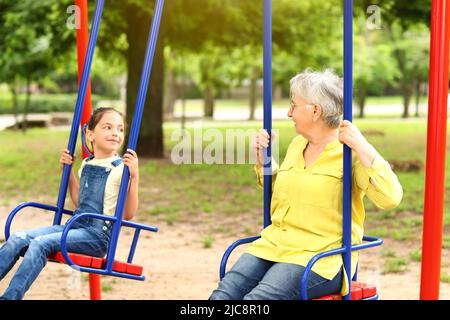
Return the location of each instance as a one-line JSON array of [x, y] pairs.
[[357, 291], [108, 265]]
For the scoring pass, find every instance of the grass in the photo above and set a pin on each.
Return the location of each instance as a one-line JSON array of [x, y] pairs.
[[203, 193], [416, 255], [445, 277], [394, 265], [446, 242], [171, 219], [106, 287], [402, 234], [44, 103], [207, 242]]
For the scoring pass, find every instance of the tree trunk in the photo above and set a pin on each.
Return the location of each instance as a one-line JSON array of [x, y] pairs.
[[150, 142], [27, 105], [277, 93], [13, 89], [405, 77], [361, 96], [208, 99], [417, 93], [183, 94], [406, 101], [253, 93], [170, 92]]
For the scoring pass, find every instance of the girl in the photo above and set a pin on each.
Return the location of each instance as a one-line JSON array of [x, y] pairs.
[[97, 192]]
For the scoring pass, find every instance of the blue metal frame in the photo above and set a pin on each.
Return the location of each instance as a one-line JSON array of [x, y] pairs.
[[117, 218], [139, 108], [79, 108], [347, 179], [372, 242], [267, 57], [108, 270], [347, 246], [16, 210], [223, 263], [67, 227]]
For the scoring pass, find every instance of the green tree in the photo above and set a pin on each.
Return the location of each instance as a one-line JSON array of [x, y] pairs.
[[403, 21], [307, 34], [374, 67], [30, 47], [188, 25]]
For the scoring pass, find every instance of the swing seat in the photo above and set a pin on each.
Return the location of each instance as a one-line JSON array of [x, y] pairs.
[[86, 263], [360, 291], [97, 263]]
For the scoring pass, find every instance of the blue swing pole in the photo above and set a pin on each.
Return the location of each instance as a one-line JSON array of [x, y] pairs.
[[79, 109], [134, 133], [347, 180], [267, 58]]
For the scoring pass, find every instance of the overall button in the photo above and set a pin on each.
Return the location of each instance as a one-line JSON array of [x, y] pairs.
[[104, 228], [107, 222], [107, 169]]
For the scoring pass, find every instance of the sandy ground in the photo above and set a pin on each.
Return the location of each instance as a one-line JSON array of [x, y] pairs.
[[178, 267]]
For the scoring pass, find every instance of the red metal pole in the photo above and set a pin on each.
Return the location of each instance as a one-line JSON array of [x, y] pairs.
[[436, 150], [82, 44], [95, 289]]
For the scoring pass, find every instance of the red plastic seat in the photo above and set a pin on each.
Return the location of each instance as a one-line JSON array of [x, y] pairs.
[[359, 291], [97, 263]]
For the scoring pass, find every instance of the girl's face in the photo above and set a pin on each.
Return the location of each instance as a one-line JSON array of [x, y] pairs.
[[108, 135]]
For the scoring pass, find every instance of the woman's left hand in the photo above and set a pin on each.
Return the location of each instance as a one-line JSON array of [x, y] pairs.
[[130, 159], [351, 136]]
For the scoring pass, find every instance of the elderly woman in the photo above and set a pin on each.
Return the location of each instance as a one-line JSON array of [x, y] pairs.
[[306, 207]]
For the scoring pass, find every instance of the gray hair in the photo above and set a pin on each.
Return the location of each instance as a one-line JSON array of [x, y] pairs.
[[323, 88]]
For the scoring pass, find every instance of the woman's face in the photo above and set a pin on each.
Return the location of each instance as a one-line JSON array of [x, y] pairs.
[[301, 113]]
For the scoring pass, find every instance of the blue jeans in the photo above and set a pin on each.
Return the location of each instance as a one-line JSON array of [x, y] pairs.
[[253, 278], [35, 245]]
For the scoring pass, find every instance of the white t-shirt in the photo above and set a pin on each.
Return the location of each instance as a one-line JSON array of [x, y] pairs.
[[112, 183]]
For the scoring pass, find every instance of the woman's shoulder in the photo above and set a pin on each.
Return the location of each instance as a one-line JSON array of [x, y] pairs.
[[299, 140]]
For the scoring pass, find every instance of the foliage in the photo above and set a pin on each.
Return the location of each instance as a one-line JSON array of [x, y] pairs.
[[45, 103]]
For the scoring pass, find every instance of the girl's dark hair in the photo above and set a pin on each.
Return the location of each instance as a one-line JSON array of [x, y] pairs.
[[97, 116]]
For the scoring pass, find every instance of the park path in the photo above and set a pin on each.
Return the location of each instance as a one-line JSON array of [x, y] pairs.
[[232, 114], [178, 267]]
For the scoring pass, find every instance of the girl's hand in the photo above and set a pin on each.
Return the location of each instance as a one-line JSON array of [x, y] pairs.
[[260, 142], [130, 159], [66, 158]]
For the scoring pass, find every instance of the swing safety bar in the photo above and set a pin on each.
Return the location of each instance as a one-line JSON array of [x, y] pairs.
[[371, 242], [67, 227]]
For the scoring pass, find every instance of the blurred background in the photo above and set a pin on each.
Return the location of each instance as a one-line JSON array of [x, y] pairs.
[[207, 73]]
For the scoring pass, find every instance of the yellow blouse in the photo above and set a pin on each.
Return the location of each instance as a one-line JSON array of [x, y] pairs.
[[306, 206]]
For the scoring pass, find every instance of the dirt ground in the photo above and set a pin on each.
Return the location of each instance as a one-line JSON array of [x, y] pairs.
[[178, 267]]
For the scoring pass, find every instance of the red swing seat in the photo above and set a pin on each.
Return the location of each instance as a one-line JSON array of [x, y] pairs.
[[97, 263], [360, 291]]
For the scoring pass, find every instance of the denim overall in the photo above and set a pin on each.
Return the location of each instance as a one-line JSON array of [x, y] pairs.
[[87, 236]]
